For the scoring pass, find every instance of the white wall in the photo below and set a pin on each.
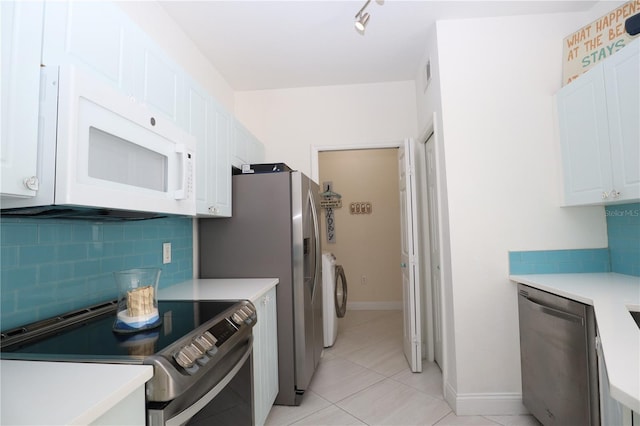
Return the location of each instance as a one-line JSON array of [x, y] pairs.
[[291, 121], [497, 78], [155, 21]]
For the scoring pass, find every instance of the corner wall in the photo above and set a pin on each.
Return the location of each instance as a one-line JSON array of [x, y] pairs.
[[500, 157]]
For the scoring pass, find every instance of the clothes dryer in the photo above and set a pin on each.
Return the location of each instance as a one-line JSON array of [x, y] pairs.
[[334, 294]]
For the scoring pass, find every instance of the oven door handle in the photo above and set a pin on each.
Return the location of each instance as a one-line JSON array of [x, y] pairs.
[[184, 416]]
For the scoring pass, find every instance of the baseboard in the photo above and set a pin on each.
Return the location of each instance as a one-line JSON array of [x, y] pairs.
[[484, 404], [374, 306]]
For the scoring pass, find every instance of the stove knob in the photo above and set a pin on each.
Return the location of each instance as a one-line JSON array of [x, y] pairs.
[[210, 337], [185, 358], [195, 350], [202, 343], [250, 313], [239, 317], [212, 341]]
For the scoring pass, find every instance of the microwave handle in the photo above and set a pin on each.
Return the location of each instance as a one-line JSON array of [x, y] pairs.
[[183, 192]]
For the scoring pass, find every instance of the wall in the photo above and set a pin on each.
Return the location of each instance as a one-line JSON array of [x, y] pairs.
[[366, 244], [499, 154], [292, 121], [52, 266]]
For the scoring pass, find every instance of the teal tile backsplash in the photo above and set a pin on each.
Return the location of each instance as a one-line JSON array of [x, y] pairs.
[[623, 228], [51, 266], [622, 254], [559, 261]]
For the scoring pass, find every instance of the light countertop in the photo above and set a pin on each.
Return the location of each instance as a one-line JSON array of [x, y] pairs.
[[218, 289], [612, 297], [64, 393]]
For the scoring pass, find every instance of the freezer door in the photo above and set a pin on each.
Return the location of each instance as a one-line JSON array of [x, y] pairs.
[[307, 291]]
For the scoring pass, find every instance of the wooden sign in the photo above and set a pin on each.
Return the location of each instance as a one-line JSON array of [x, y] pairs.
[[597, 41], [331, 203]]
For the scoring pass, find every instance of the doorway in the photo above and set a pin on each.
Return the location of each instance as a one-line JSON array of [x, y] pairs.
[[428, 301], [364, 237]]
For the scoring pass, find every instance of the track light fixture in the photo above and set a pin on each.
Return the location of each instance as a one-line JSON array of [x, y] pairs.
[[362, 18]]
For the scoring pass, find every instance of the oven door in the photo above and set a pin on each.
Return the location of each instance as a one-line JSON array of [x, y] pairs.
[[224, 397]]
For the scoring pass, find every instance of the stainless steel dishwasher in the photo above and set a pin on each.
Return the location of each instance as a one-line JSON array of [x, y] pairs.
[[558, 358]]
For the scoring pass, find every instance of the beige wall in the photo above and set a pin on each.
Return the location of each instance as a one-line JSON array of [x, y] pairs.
[[366, 244]]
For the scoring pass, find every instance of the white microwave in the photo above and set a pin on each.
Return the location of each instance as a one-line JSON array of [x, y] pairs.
[[111, 151]]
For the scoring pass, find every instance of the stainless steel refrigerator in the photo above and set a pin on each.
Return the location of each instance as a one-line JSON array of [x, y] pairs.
[[274, 232]]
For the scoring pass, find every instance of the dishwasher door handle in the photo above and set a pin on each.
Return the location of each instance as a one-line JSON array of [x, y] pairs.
[[555, 312]]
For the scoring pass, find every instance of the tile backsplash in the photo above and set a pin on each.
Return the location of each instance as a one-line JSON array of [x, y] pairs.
[[51, 266], [623, 228], [559, 261], [621, 256]]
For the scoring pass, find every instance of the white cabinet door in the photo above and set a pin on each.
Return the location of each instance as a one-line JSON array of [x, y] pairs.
[[265, 356], [210, 125], [158, 81], [584, 135], [96, 36], [246, 148], [198, 127], [220, 120], [101, 38], [622, 79], [599, 119], [21, 57]]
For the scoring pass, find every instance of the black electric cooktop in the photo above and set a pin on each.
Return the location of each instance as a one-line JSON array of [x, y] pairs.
[[95, 338]]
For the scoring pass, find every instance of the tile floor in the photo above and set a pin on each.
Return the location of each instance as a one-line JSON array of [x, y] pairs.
[[364, 379]]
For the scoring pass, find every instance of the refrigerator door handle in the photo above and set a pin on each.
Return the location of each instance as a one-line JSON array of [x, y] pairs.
[[316, 233]]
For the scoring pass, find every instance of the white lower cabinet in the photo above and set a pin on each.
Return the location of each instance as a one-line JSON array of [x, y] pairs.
[[612, 412], [128, 412], [265, 356]]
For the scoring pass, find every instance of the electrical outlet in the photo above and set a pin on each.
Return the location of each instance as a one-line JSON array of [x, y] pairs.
[[363, 280], [166, 253]]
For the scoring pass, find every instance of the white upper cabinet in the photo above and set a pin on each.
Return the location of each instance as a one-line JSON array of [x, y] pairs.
[[21, 55], [92, 35], [599, 119], [220, 164], [100, 37], [210, 124], [246, 148], [622, 79]]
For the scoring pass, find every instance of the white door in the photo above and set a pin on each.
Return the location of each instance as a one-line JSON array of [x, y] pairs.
[[434, 246], [412, 339]]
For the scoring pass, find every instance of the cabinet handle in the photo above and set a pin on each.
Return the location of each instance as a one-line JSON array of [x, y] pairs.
[[32, 183], [213, 210], [555, 312], [615, 194], [605, 195]]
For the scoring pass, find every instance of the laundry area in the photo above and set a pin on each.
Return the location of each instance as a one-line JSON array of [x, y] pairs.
[[360, 229]]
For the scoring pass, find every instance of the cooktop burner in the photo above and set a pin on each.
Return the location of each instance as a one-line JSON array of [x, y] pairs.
[[95, 337]]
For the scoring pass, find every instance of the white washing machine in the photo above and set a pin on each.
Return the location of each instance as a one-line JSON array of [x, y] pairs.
[[334, 297]]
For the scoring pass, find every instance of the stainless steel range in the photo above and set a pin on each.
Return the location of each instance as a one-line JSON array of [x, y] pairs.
[[201, 355]]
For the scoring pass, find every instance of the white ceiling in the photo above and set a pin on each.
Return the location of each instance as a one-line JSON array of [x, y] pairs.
[[281, 44]]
